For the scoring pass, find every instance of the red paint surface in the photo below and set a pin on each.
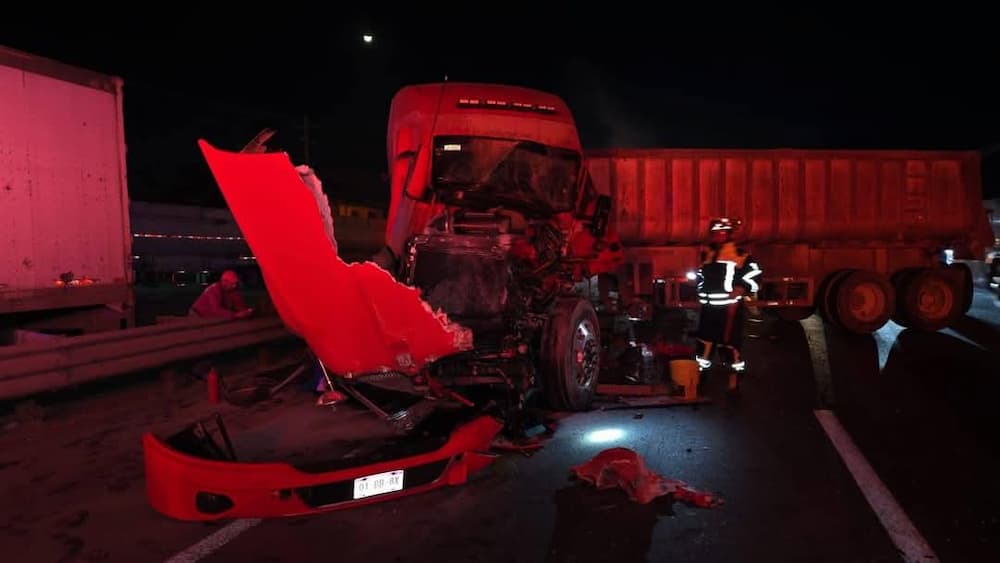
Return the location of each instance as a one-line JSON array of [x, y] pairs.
[[355, 317], [419, 113], [173, 479], [666, 197], [623, 468]]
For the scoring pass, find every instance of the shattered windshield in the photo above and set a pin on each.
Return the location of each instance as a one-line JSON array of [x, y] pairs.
[[519, 174]]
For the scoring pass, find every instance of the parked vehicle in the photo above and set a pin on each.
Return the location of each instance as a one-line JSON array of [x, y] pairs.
[[65, 261], [860, 236]]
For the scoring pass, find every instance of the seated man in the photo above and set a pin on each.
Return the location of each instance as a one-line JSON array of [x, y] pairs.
[[221, 300]]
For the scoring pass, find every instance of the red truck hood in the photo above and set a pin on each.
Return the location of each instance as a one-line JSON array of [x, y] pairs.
[[355, 317]]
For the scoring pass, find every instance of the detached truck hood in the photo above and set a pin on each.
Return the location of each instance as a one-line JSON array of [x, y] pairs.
[[355, 317]]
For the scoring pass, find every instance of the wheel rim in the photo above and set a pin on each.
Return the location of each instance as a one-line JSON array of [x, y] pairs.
[[585, 353], [866, 302], [935, 299]]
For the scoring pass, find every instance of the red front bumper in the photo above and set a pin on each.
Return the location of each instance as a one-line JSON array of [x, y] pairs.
[[191, 488]]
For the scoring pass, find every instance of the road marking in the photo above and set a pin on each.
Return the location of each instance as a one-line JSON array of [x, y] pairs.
[[911, 545], [211, 543], [815, 333]]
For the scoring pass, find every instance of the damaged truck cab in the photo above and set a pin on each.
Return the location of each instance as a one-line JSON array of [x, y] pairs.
[[493, 218]]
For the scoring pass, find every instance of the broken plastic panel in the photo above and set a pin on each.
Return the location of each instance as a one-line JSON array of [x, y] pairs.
[[625, 469], [356, 317]]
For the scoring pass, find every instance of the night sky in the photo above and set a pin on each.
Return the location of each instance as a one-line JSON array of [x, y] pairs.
[[633, 77]]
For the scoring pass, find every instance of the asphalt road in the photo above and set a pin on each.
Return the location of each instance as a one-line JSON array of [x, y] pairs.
[[919, 407]]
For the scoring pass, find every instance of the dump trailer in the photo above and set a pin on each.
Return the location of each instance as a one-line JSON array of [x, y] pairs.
[[65, 259], [860, 236]]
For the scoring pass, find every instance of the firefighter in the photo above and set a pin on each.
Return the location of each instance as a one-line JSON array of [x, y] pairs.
[[726, 283]]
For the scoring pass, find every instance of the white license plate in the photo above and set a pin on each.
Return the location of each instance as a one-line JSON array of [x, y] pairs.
[[378, 484]]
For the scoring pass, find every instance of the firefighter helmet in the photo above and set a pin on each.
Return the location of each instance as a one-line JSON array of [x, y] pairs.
[[723, 224]]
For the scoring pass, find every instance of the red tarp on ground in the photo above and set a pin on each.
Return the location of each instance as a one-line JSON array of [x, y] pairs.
[[355, 317]]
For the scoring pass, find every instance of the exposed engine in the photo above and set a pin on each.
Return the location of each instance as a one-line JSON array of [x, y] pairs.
[[497, 274]]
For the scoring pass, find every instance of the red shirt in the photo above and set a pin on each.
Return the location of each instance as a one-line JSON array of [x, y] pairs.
[[218, 303]]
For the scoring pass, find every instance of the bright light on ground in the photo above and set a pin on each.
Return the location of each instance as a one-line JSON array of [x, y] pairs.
[[368, 38], [605, 435]]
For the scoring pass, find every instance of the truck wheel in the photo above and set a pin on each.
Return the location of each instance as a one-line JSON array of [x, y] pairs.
[[571, 355], [932, 300], [964, 274], [899, 281], [824, 298], [863, 301]]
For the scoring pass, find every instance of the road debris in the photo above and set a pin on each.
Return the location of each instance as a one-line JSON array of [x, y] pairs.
[[625, 469]]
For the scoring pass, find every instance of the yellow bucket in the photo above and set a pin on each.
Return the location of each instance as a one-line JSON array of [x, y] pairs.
[[685, 373]]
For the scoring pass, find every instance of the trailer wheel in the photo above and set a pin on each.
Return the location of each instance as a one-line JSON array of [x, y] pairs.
[[965, 288], [571, 355], [824, 298], [931, 299], [863, 301], [900, 280]]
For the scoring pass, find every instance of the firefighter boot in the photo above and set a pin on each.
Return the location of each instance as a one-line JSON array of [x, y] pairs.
[[703, 351]]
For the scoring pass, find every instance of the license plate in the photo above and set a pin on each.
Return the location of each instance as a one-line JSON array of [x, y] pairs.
[[378, 484]]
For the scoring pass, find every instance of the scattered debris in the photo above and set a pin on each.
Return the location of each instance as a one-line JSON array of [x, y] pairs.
[[532, 440], [632, 390], [524, 446], [682, 389], [329, 398], [651, 402], [625, 469]]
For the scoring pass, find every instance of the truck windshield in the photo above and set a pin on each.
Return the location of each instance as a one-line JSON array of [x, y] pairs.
[[501, 172]]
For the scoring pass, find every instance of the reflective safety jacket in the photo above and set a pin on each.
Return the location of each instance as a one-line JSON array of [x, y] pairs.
[[724, 269]]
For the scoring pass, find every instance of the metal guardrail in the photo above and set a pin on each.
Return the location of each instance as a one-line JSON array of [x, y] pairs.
[[31, 368]]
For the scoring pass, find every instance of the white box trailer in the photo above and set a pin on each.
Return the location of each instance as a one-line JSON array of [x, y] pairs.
[[65, 242]]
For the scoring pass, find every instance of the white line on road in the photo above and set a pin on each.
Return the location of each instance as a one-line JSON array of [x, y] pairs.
[[912, 546], [211, 543]]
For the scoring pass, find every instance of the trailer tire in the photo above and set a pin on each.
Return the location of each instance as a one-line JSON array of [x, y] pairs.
[[824, 298], [931, 299], [965, 285], [862, 301], [899, 281], [571, 355]]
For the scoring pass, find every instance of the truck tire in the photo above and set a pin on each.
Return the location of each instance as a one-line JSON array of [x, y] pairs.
[[900, 279], [862, 301], [965, 287], [571, 355], [824, 298], [931, 299]]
